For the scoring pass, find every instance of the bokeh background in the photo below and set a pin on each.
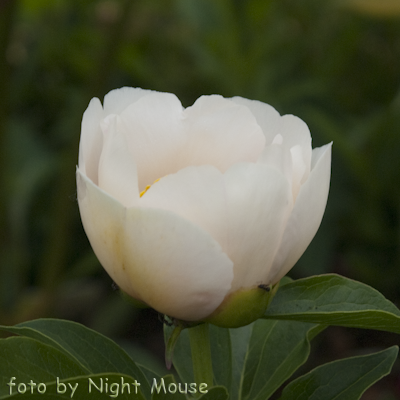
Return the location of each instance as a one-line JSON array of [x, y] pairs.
[[334, 63]]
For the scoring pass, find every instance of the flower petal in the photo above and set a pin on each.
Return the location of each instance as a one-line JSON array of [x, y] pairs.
[[91, 139], [196, 194], [307, 214], [117, 169], [221, 133], [278, 157], [101, 215], [152, 126], [297, 139], [118, 99], [155, 255], [259, 202], [267, 117]]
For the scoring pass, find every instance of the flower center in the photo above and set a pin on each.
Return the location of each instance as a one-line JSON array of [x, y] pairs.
[[148, 187]]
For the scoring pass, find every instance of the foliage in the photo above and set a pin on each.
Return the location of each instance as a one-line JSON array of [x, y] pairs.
[[251, 362], [335, 64]]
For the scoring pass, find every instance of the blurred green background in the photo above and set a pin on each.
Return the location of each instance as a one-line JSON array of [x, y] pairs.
[[335, 64]]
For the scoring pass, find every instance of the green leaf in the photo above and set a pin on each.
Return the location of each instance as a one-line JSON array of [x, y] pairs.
[[220, 343], [26, 359], [182, 357], [220, 352], [92, 351], [149, 373], [93, 387], [166, 388], [254, 360], [334, 300], [276, 350], [342, 380], [215, 393], [240, 339]]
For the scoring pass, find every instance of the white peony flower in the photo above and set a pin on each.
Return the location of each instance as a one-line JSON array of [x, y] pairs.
[[190, 210]]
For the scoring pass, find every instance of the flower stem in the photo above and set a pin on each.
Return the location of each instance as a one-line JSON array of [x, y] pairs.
[[201, 354]]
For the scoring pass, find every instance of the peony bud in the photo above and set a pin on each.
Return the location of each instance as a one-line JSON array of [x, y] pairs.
[[196, 212]]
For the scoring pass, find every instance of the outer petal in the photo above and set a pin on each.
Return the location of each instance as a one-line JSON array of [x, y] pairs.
[[118, 99], [91, 139], [155, 255], [307, 214], [258, 202], [297, 139], [153, 128], [101, 215], [221, 133], [117, 169], [196, 194], [267, 117], [279, 157]]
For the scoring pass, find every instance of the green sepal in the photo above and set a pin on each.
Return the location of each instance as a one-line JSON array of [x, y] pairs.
[[243, 307]]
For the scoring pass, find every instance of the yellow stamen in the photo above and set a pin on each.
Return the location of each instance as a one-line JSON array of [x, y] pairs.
[[148, 187]]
